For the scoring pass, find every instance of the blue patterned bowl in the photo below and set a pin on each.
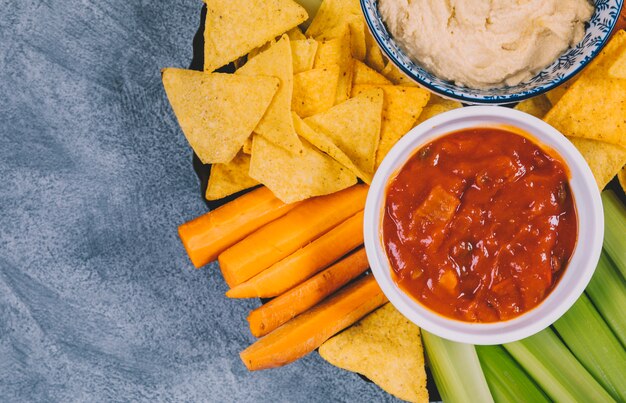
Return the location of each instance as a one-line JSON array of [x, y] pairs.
[[565, 67]]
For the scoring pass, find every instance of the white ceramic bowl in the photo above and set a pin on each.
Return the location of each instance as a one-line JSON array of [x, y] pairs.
[[582, 263]]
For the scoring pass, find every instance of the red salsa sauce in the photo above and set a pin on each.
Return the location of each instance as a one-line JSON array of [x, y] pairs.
[[480, 224]]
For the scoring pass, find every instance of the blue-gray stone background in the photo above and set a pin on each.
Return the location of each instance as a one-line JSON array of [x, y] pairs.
[[98, 301]]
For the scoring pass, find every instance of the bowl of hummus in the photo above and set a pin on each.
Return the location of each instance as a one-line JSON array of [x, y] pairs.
[[491, 52]]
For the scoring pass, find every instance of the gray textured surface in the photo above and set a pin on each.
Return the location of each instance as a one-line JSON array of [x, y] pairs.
[[97, 298]]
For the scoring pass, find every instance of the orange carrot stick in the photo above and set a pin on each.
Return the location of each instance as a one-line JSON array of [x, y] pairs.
[[304, 263], [210, 234], [306, 332], [282, 237], [297, 300]]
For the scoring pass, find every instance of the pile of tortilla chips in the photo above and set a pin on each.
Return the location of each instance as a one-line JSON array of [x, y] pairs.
[[305, 114], [591, 111]]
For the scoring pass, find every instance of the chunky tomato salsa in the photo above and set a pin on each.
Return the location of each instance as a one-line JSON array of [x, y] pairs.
[[480, 224]]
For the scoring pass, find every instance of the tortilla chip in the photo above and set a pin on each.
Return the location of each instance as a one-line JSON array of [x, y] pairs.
[[386, 348], [255, 52], [247, 146], [621, 177], [396, 76], [332, 16], [604, 159], [303, 54], [326, 145], [401, 108], [230, 178], [295, 34], [375, 58], [214, 116], [276, 125], [537, 106], [437, 105], [314, 91], [554, 95], [235, 27], [618, 68], [366, 75], [595, 105], [354, 126], [297, 176], [357, 38], [337, 52]]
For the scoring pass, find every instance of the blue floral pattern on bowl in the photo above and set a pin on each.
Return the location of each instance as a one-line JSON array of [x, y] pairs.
[[566, 66]]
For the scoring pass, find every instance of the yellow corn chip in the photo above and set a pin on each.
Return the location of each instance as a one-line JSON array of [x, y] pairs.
[[604, 159], [401, 108], [595, 105], [386, 348], [375, 58], [214, 116], [303, 53], [276, 125], [331, 18], [337, 52], [297, 176], [537, 106], [618, 68], [621, 177], [365, 75], [396, 76], [247, 146], [554, 95], [354, 126], [235, 27], [255, 52], [435, 106], [326, 145], [314, 91], [295, 34], [227, 179], [357, 38]]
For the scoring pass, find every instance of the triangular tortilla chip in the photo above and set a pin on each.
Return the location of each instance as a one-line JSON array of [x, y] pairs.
[[331, 17], [227, 179], [437, 105], [363, 74], [555, 94], [314, 91], [621, 177], [212, 111], [537, 106], [354, 126], [303, 53], [336, 52], [297, 176], [326, 145], [386, 348], [357, 38], [396, 76], [401, 108], [235, 27], [374, 58], [276, 125], [618, 68], [595, 105], [604, 159]]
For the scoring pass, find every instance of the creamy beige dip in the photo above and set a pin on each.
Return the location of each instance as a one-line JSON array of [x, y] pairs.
[[485, 43]]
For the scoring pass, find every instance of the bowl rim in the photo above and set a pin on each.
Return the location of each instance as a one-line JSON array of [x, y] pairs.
[[481, 100], [572, 282]]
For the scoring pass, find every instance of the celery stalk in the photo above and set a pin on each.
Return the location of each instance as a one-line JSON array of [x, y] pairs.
[[615, 229], [607, 291], [506, 379], [594, 345], [546, 359], [456, 369]]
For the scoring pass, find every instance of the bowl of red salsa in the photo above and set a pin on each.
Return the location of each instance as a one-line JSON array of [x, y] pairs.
[[483, 225]]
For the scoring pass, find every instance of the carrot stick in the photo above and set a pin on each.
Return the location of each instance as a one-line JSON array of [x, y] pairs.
[[297, 300], [282, 237], [304, 263], [210, 234], [308, 331]]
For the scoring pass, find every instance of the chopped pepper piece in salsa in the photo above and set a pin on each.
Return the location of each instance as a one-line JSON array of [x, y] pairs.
[[480, 224]]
